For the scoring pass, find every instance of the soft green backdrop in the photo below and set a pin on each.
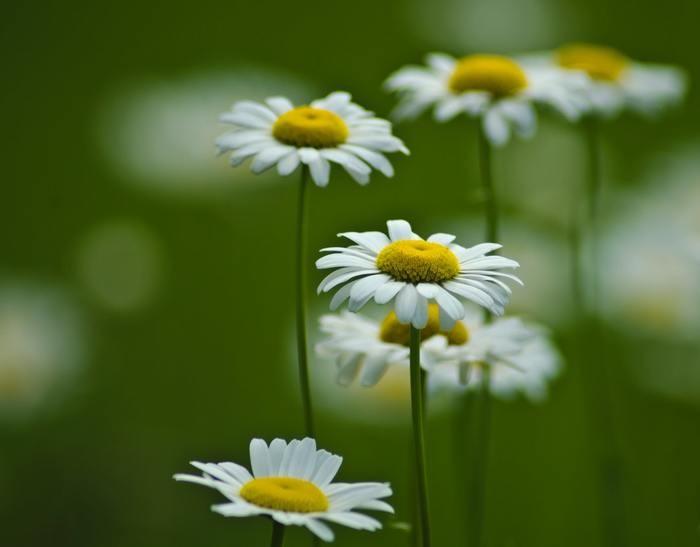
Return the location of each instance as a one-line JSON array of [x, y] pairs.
[[205, 363]]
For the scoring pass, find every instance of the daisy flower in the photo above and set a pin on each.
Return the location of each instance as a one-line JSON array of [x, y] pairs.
[[363, 347], [616, 82], [412, 271], [497, 89], [332, 129], [519, 357], [291, 483]]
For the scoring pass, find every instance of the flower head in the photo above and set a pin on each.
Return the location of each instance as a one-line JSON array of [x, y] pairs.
[[616, 82], [519, 357], [332, 129], [366, 348], [291, 483], [412, 271], [498, 89]]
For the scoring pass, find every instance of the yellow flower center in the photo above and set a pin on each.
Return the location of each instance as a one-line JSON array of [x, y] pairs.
[[393, 332], [418, 261], [493, 73], [285, 494], [309, 126], [599, 62]]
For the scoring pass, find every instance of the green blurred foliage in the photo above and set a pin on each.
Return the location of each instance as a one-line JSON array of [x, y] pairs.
[[207, 366]]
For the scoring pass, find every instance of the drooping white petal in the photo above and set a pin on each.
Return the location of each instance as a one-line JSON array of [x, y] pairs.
[[405, 305], [320, 529], [387, 291], [288, 163]]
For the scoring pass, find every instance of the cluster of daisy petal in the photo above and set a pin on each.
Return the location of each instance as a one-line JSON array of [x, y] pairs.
[[436, 288], [329, 130], [292, 483], [576, 80]]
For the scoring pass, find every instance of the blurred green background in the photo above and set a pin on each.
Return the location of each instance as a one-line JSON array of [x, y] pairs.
[[160, 282]]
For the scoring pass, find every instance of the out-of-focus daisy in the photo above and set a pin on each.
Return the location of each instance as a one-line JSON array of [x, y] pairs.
[[412, 271], [120, 264], [519, 357], [649, 251], [157, 134], [366, 348], [616, 82], [42, 346], [497, 89], [292, 484], [332, 129]]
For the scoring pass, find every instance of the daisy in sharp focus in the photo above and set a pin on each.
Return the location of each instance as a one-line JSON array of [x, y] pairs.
[[616, 82], [332, 129], [291, 483], [411, 271], [495, 88], [519, 356]]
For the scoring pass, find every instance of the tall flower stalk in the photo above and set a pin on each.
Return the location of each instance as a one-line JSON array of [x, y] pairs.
[[418, 423], [596, 374], [302, 345], [481, 404], [277, 534], [309, 138]]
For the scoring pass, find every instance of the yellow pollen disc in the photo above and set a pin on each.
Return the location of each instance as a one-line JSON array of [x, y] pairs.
[[417, 261], [285, 494], [493, 73], [393, 332], [309, 126], [599, 62]]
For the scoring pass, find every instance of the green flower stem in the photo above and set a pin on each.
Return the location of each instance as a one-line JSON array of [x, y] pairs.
[[480, 412], [597, 374], [480, 402], [277, 534], [417, 414], [302, 351]]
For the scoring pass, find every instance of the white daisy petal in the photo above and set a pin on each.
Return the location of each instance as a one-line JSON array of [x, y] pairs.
[[375, 159], [327, 472], [399, 229], [320, 529], [406, 302], [288, 163], [245, 119], [442, 239], [320, 171], [388, 291], [261, 133], [259, 458], [235, 510], [495, 127], [268, 157], [279, 105], [276, 449], [374, 241], [365, 288]]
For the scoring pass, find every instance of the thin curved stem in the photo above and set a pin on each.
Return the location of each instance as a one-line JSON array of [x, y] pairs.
[[417, 414], [277, 534], [481, 408], [481, 411], [302, 351], [597, 374]]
